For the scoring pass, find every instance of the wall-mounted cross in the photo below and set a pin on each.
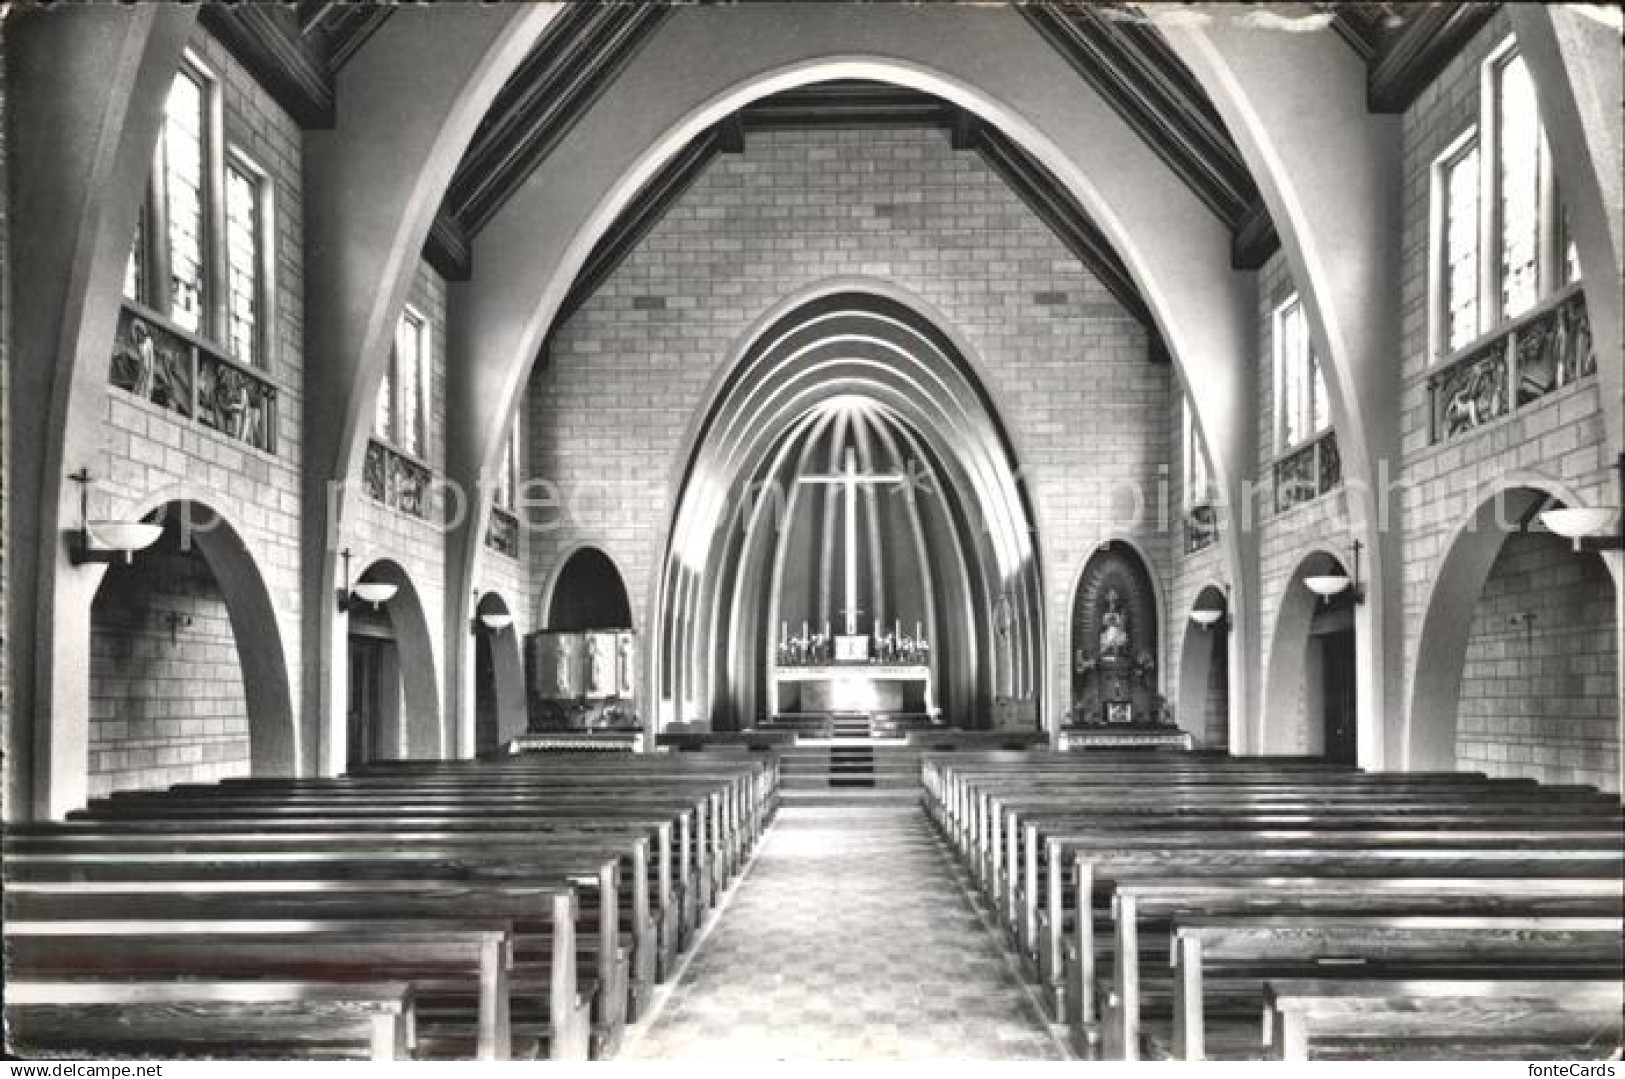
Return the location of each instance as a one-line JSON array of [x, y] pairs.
[[849, 478]]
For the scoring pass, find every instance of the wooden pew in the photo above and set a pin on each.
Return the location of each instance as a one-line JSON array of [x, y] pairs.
[[456, 960], [231, 1018], [1318, 1019], [395, 882], [433, 820], [1222, 961], [1049, 904], [1145, 903], [1303, 861]]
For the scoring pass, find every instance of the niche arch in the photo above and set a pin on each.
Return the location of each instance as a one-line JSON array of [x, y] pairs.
[[414, 731], [499, 676], [192, 524], [587, 592], [1203, 707], [1292, 698]]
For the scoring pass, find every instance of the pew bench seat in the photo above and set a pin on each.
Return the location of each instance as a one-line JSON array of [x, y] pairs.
[[232, 1019]]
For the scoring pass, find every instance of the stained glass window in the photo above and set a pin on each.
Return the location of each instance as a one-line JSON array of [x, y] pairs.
[[411, 383], [243, 287], [1198, 481], [1302, 405], [1461, 249], [507, 478], [1520, 175], [135, 287], [183, 157], [383, 415]]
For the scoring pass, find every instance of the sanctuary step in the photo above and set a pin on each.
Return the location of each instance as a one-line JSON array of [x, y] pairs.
[[849, 775]]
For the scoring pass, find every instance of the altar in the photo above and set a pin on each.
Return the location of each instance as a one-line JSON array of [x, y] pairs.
[[872, 688]]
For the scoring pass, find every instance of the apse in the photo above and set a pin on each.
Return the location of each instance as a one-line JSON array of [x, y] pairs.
[[851, 479]]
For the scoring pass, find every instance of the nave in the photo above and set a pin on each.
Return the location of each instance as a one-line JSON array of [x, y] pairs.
[[1148, 904], [849, 938]]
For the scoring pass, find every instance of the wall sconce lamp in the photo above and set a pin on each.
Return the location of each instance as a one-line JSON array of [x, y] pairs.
[[1328, 585], [494, 621], [376, 593], [1587, 526], [1213, 613], [106, 541]]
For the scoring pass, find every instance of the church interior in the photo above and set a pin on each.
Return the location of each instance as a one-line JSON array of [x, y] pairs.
[[762, 531]]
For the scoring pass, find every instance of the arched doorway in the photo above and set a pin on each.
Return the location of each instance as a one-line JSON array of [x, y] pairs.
[[588, 593], [1116, 637], [1204, 670], [499, 678], [851, 480], [1515, 667], [188, 677], [394, 710], [1310, 698]]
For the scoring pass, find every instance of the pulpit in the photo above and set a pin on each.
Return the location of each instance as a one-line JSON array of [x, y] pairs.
[[581, 681]]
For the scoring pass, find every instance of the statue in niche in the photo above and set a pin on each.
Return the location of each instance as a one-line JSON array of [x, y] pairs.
[[1114, 638]]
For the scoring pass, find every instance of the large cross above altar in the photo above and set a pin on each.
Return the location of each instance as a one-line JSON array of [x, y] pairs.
[[849, 478]]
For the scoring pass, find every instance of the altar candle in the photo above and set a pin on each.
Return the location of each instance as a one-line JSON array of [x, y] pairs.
[[917, 635], [784, 632], [826, 629], [803, 629], [897, 628]]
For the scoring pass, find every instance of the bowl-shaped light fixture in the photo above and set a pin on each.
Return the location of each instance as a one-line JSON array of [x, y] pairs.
[[124, 536], [1575, 522], [1327, 585], [496, 621], [375, 592], [1206, 616]]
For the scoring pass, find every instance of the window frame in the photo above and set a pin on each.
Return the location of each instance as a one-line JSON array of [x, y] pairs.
[[1438, 242], [392, 438], [1195, 450], [1283, 446], [506, 495], [1551, 263], [150, 250]]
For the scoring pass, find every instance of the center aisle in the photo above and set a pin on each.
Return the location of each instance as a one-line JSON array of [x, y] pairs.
[[849, 938]]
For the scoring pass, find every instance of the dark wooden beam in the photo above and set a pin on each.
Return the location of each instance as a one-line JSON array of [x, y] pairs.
[[1139, 76], [448, 248], [1254, 240], [848, 103], [1432, 36], [577, 58], [342, 28], [266, 39]]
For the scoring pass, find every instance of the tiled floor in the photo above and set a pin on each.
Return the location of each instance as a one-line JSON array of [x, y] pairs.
[[849, 939]]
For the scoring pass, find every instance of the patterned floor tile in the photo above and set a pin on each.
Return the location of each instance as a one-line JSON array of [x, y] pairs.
[[849, 939]]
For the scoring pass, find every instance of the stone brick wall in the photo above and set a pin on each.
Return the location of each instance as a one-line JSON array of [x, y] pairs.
[[148, 453], [1537, 694], [1560, 437], [5, 369], [1064, 364], [166, 702]]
